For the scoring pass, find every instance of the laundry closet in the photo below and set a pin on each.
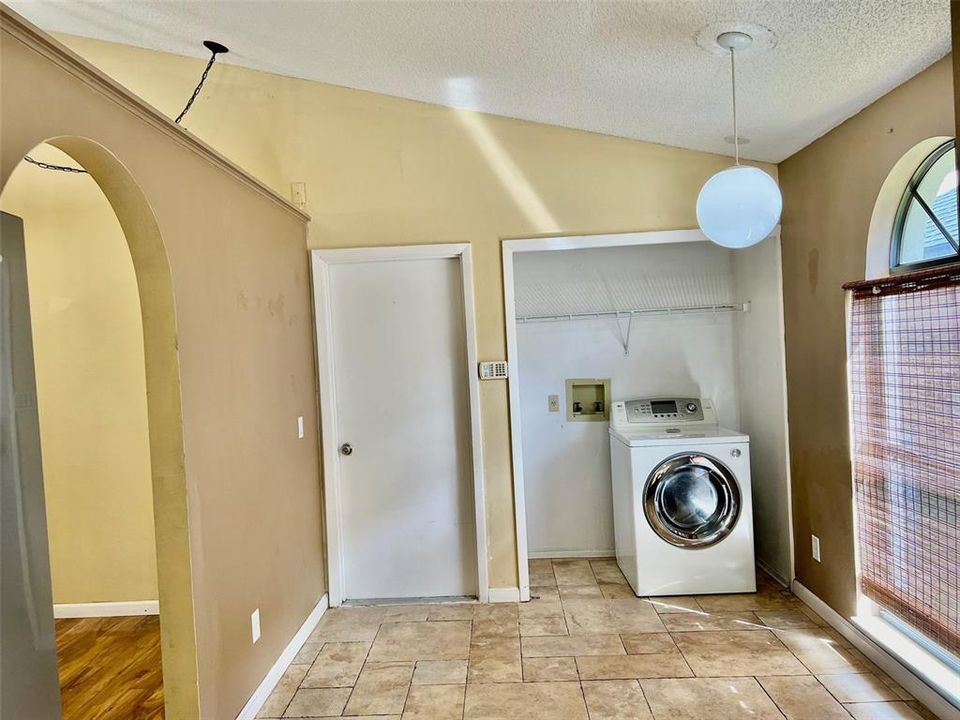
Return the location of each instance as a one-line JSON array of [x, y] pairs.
[[645, 315]]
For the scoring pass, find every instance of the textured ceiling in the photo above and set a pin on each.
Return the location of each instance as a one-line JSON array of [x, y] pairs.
[[633, 69]]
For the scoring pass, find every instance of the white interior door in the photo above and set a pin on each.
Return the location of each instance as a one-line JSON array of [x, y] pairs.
[[402, 406]]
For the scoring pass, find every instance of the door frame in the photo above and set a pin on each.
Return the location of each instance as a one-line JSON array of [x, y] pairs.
[[321, 261], [511, 247]]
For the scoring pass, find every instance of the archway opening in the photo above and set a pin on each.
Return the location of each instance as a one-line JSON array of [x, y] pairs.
[[101, 330]]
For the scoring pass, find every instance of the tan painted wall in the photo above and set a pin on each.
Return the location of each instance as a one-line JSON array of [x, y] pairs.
[[228, 339], [88, 351], [829, 190], [386, 171]]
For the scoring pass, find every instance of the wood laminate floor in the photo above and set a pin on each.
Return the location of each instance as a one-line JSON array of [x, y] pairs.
[[110, 668]]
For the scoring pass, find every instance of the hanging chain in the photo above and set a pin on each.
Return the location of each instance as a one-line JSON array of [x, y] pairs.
[[80, 171], [51, 166], [196, 91], [736, 132]]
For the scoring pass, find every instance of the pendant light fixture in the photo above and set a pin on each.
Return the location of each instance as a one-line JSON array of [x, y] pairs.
[[739, 206]]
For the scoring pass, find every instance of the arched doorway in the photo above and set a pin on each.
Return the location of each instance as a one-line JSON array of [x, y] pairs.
[[164, 418]]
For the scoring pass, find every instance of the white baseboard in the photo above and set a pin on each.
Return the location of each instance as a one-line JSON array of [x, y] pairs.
[[106, 609], [913, 684], [564, 554], [504, 595], [273, 676]]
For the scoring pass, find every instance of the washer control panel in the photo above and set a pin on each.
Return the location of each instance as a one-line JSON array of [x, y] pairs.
[[663, 411]]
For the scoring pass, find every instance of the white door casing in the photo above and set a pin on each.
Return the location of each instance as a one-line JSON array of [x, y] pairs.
[[405, 510]]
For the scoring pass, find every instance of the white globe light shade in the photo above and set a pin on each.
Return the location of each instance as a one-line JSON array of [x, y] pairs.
[[739, 206]]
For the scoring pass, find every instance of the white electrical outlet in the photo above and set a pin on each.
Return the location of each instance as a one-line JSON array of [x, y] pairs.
[[553, 402], [815, 547], [255, 625], [300, 426]]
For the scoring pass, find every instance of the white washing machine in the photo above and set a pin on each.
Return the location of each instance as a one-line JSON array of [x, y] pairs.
[[682, 508]]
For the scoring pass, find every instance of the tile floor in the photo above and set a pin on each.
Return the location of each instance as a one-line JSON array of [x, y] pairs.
[[584, 648]]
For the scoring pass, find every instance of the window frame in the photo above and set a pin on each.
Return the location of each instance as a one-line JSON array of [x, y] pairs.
[[911, 195]]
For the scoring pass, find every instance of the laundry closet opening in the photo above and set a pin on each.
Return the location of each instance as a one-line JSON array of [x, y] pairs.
[[597, 320]]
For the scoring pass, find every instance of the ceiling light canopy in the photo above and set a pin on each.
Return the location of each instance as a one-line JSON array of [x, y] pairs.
[[738, 207]]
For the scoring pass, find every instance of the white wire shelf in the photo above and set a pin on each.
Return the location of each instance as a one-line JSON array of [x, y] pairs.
[[639, 312]]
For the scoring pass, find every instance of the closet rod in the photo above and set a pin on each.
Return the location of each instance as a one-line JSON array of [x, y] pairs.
[[737, 307]]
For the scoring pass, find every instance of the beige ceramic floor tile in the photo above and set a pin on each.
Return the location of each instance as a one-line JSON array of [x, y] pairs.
[[625, 667], [882, 711], [283, 692], [803, 698], [406, 613], [348, 624], [434, 702], [338, 665], [617, 592], [421, 641], [693, 622], [647, 643], [814, 618], [615, 700], [544, 602], [607, 571], [543, 578], [494, 660], [745, 601], [538, 626], [785, 619], [544, 565], [440, 672], [550, 669], [675, 604], [747, 652], [857, 687], [505, 627], [819, 652], [498, 612], [570, 592], [307, 654], [572, 646], [381, 689], [709, 699], [441, 613], [529, 701], [602, 617], [323, 702], [573, 572]]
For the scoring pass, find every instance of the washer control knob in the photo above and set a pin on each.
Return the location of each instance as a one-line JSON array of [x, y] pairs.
[[691, 407], [735, 452]]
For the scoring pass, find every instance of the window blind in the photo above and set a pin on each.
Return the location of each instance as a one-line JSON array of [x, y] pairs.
[[905, 419]]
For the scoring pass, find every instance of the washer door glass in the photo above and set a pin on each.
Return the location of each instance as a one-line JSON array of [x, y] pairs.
[[692, 501]]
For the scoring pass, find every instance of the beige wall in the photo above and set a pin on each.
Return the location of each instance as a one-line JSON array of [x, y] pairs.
[[91, 389], [829, 190], [385, 171], [223, 284]]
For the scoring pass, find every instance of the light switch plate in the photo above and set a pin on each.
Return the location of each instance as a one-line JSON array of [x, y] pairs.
[[553, 403], [815, 547], [255, 625], [300, 426]]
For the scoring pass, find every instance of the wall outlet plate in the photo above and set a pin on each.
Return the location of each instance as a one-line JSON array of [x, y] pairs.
[[815, 547], [255, 625]]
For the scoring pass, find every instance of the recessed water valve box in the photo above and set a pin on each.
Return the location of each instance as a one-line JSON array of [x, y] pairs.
[[588, 399]]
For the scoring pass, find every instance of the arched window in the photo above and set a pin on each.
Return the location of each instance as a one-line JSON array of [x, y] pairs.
[[925, 229]]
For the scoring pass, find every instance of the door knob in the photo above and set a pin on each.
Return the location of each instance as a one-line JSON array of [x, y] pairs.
[[346, 449]]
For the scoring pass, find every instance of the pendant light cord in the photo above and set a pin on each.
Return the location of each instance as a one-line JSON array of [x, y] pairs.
[[733, 84], [196, 91]]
